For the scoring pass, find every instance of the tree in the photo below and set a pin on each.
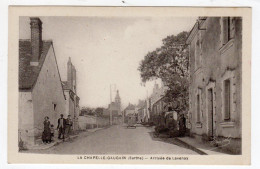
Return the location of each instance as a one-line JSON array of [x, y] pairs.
[[170, 63], [99, 111], [87, 111]]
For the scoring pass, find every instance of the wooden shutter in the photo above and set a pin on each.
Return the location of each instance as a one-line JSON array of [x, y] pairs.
[[225, 30], [198, 108], [232, 27], [227, 100]]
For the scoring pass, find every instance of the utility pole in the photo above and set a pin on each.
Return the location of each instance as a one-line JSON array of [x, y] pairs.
[[110, 111]]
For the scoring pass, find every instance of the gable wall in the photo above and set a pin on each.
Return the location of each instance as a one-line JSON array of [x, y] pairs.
[[47, 92]]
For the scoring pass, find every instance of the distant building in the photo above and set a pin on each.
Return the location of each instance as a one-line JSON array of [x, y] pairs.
[[129, 111], [215, 45], [156, 103], [141, 109], [114, 108], [70, 90], [40, 88]]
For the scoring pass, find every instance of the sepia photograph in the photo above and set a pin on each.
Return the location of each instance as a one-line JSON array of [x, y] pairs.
[[118, 87]]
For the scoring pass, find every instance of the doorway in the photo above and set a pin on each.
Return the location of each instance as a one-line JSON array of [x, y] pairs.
[[210, 114]]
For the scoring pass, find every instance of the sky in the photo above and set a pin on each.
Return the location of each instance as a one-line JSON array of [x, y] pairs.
[[106, 52]]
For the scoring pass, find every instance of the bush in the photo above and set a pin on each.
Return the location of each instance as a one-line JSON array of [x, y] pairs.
[[151, 123], [174, 133], [161, 129]]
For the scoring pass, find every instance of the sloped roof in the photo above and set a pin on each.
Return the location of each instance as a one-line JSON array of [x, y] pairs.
[[130, 107], [28, 74]]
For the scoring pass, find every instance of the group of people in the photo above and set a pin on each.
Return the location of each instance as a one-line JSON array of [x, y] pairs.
[[64, 127]]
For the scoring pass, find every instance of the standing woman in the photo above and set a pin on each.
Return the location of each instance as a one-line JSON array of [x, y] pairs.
[[46, 135]]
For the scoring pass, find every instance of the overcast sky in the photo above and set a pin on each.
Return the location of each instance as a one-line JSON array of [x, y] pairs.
[[106, 51]]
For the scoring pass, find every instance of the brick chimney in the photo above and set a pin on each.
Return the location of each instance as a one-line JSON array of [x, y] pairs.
[[36, 40]]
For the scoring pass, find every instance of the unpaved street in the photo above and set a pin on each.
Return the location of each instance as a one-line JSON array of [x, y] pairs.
[[117, 140]]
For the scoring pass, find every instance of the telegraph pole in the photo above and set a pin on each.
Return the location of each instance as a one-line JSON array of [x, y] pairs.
[[110, 111]]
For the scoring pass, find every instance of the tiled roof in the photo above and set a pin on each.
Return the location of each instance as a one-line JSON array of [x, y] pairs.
[[28, 74]]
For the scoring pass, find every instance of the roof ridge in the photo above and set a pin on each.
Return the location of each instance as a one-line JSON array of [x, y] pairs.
[[48, 40], [24, 40]]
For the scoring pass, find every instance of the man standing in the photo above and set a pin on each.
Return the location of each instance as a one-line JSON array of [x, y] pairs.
[[68, 125], [182, 125], [61, 127]]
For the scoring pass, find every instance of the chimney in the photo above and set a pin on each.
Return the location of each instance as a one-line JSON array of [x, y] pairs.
[[36, 40], [69, 73]]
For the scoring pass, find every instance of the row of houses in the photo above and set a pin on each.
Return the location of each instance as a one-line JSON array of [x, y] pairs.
[[215, 57], [148, 110], [139, 111], [41, 91]]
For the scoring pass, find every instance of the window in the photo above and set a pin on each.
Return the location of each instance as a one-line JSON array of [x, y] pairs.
[[197, 52], [227, 99], [198, 108], [226, 29]]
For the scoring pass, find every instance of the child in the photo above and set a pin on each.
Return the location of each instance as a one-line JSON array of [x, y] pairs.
[[52, 131]]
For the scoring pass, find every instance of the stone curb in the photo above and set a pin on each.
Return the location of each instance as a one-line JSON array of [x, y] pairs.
[[60, 141], [190, 147], [51, 145]]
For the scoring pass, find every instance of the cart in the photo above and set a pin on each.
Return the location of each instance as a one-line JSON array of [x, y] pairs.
[[131, 121]]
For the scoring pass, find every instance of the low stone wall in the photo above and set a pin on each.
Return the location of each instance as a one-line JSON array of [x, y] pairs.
[[89, 122], [102, 121]]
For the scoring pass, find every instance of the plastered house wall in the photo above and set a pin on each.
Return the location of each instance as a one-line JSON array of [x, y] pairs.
[[46, 93], [211, 63]]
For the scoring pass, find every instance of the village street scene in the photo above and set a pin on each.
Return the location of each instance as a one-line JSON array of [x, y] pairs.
[[144, 85]]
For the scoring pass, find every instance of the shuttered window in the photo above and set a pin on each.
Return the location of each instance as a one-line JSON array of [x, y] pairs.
[[227, 99], [198, 108], [226, 30]]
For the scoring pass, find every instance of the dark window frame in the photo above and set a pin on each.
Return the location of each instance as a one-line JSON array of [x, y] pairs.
[[198, 108], [227, 99]]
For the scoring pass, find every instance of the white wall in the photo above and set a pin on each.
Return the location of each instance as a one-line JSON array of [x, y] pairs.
[[47, 92], [25, 123]]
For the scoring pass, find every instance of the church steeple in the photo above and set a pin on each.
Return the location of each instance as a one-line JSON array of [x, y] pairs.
[[117, 98]]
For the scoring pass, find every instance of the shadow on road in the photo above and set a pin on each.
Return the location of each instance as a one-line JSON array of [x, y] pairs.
[[177, 142]]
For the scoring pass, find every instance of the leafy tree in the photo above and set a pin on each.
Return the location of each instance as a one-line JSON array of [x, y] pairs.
[[170, 63], [99, 111], [87, 111]]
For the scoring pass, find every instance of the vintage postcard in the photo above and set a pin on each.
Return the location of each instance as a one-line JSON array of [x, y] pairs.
[[129, 85]]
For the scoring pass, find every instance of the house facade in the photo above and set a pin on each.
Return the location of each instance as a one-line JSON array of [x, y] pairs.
[[40, 88], [130, 110], [70, 90], [142, 111], [215, 45], [156, 103]]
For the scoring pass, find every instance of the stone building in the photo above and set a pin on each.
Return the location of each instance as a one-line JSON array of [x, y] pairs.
[[70, 90], [215, 45], [156, 103], [40, 88], [115, 108], [141, 109], [130, 110]]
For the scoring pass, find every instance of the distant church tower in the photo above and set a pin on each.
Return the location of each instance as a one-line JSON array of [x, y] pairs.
[[118, 100]]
